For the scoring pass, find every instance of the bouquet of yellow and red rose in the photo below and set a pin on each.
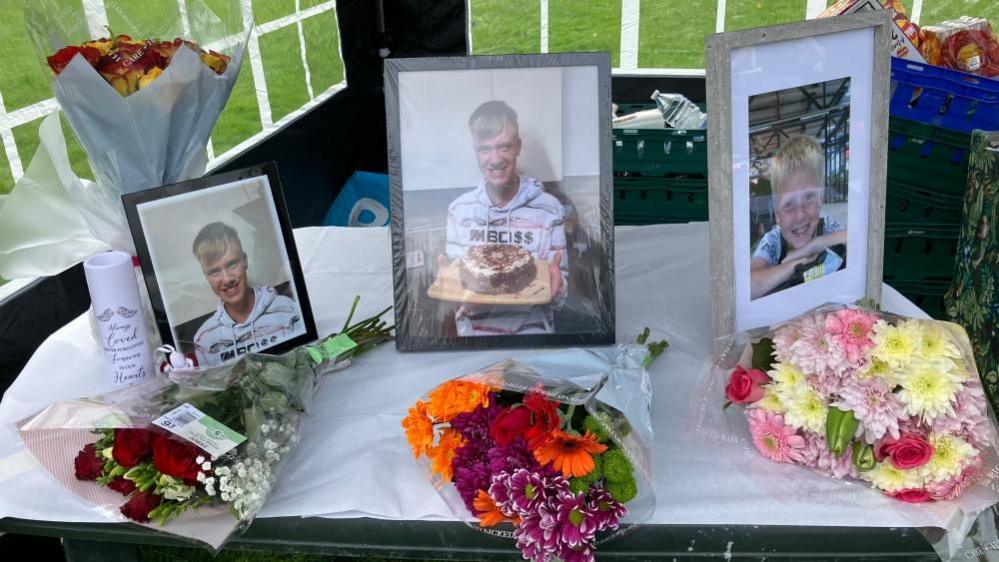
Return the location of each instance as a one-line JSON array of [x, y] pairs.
[[132, 64], [551, 450], [197, 451], [143, 110]]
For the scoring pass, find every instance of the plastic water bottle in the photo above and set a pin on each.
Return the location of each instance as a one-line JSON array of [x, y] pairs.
[[679, 112]]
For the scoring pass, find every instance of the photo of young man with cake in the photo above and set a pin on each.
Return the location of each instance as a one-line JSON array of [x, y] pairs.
[[499, 235], [798, 214]]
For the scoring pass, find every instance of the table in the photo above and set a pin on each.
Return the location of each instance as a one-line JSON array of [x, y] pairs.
[[335, 480]]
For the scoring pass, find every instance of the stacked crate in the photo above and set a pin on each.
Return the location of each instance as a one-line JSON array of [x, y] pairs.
[[933, 111]]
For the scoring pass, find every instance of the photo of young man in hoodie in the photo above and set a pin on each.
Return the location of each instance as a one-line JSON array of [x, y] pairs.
[[248, 318], [506, 208]]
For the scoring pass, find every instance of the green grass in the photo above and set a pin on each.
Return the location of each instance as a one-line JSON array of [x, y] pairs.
[[282, 60], [743, 14], [662, 43], [936, 12], [322, 48], [505, 26], [585, 25]]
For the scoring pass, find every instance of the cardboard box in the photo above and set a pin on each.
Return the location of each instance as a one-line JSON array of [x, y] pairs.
[[901, 46]]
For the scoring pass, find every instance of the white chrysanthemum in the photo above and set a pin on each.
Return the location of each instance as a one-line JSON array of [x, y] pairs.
[[806, 409], [950, 455], [929, 390], [770, 402], [786, 378], [108, 453], [886, 477], [937, 344], [896, 345]]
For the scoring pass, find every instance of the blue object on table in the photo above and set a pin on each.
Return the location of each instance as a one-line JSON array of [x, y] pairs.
[[943, 97], [363, 201]]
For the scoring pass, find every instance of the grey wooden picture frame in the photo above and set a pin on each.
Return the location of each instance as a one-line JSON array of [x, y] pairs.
[[720, 148]]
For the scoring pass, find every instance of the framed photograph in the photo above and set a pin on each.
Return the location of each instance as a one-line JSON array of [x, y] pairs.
[[220, 263], [797, 145], [501, 193]]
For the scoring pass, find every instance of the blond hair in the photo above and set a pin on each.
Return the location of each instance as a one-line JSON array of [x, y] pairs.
[[213, 240], [488, 120], [797, 153]]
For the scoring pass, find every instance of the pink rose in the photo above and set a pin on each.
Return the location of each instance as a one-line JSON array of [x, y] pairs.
[[912, 495], [907, 452], [745, 386]]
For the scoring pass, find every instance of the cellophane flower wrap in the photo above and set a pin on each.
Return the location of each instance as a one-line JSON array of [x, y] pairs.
[[551, 450], [142, 100], [891, 403], [111, 451]]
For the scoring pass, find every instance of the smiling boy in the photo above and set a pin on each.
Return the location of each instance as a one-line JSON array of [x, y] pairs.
[[802, 236], [248, 318]]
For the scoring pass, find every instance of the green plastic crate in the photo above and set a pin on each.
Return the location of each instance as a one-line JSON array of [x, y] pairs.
[[666, 152], [927, 294], [910, 204], [644, 200], [930, 157], [915, 253]]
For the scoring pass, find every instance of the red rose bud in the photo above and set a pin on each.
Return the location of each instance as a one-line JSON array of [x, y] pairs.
[[509, 425], [744, 386], [122, 486], [58, 61], [137, 507], [132, 446], [177, 459], [912, 495], [907, 452], [87, 464]]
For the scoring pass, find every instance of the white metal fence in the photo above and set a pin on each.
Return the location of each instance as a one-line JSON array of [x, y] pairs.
[[97, 20]]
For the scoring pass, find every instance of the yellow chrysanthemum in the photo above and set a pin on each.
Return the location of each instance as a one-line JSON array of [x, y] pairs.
[[806, 409], [929, 390], [950, 455], [771, 402], [937, 344], [896, 345], [786, 378], [886, 477]]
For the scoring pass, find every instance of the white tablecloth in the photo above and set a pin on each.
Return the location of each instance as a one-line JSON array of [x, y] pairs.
[[353, 460]]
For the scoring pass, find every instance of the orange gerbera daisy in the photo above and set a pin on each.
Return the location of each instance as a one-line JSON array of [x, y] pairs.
[[441, 455], [419, 429], [456, 397], [570, 454], [488, 512]]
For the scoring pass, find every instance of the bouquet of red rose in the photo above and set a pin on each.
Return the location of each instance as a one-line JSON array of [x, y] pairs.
[[196, 452], [550, 450]]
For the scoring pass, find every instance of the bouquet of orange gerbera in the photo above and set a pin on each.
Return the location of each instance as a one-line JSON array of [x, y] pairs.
[[545, 446]]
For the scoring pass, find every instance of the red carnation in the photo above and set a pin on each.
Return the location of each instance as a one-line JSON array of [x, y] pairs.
[[509, 425], [137, 507], [177, 459], [122, 486], [87, 464], [132, 446], [546, 420], [58, 61]]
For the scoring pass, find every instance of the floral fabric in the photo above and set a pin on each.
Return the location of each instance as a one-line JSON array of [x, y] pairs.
[[973, 298]]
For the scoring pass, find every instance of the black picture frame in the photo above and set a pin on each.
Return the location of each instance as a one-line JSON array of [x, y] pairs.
[[599, 325], [133, 202]]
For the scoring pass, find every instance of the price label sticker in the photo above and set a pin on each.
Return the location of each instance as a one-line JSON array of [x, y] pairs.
[[192, 424]]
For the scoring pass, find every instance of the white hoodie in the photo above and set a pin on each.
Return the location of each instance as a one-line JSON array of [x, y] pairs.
[[275, 318], [533, 220]]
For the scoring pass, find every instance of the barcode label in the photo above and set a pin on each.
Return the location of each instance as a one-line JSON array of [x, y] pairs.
[[192, 424]]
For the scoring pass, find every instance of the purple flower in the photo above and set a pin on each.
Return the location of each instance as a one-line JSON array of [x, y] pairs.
[[512, 457], [531, 539], [468, 480], [474, 425], [528, 491], [606, 510], [575, 523], [582, 553]]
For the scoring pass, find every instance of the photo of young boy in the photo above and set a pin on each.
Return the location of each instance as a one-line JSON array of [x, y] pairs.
[[803, 244]]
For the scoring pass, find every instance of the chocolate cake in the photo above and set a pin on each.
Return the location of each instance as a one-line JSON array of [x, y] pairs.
[[497, 269]]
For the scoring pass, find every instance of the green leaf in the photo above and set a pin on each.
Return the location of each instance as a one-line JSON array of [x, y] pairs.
[[763, 352]]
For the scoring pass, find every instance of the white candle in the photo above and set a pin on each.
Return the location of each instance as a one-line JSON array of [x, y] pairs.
[[118, 310]]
